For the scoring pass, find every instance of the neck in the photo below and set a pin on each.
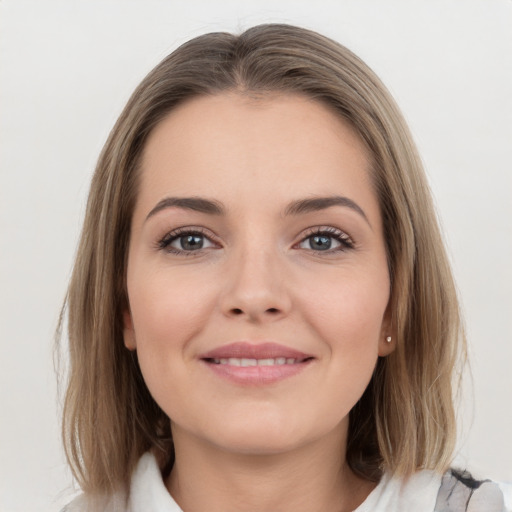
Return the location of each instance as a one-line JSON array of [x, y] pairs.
[[310, 478]]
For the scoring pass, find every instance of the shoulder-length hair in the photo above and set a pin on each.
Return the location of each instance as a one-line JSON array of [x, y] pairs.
[[405, 419]]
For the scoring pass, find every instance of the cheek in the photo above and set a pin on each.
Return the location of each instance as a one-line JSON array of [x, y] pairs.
[[350, 313], [167, 312], [166, 306], [349, 320], [350, 327]]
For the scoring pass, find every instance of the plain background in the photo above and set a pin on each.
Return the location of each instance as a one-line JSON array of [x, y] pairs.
[[68, 67]]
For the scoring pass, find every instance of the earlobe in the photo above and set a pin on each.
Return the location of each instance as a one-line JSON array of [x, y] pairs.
[[128, 331], [387, 341], [387, 344]]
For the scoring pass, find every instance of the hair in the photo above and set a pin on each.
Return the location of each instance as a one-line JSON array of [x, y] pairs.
[[405, 420]]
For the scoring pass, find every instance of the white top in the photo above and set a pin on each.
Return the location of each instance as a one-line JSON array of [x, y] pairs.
[[425, 491]]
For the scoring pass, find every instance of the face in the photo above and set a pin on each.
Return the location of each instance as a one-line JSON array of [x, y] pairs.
[[257, 274]]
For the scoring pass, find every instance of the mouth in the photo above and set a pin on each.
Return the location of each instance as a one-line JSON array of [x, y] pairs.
[[247, 362], [256, 364]]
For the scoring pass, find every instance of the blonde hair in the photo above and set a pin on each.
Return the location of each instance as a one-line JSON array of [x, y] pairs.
[[405, 419]]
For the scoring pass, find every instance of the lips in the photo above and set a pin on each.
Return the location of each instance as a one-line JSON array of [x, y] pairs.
[[256, 364]]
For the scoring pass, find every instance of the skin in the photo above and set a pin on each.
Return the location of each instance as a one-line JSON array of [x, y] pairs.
[[278, 446]]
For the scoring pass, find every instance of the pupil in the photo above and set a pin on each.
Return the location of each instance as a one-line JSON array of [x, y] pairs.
[[321, 243], [191, 242]]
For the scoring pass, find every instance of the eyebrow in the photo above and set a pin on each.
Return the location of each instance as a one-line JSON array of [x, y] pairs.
[[197, 204], [315, 204], [299, 207]]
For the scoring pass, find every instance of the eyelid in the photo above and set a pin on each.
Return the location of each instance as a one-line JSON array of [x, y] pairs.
[[164, 243], [345, 240]]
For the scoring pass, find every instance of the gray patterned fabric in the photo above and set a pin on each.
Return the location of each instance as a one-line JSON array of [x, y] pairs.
[[460, 492]]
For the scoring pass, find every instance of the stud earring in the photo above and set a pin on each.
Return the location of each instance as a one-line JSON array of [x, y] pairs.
[[388, 339]]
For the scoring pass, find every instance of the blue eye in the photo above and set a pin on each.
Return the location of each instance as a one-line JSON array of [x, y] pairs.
[[321, 242], [326, 240], [185, 241], [189, 242]]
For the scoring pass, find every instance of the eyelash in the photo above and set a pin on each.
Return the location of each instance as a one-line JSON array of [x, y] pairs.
[[344, 240], [165, 243], [341, 237]]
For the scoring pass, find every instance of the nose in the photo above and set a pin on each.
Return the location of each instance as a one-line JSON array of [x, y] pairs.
[[255, 287]]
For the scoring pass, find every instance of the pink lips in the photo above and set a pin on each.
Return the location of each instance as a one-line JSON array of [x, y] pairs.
[[255, 364]]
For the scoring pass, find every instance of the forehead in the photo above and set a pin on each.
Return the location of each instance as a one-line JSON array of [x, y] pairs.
[[258, 119], [239, 147]]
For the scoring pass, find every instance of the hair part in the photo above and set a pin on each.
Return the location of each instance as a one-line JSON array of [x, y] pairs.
[[405, 419]]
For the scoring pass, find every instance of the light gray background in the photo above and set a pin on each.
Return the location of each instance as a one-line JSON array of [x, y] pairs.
[[66, 70]]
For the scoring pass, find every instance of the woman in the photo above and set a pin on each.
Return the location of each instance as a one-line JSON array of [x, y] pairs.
[[261, 313]]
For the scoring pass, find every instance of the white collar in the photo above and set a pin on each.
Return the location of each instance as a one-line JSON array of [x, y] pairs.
[[419, 492]]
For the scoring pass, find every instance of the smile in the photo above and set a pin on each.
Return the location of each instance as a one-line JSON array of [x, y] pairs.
[[256, 364], [245, 362]]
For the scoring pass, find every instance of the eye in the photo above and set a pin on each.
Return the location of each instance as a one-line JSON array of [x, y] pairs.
[[183, 240], [326, 240]]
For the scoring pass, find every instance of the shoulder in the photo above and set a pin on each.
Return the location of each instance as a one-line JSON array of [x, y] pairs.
[[429, 491], [461, 492], [85, 503], [147, 493]]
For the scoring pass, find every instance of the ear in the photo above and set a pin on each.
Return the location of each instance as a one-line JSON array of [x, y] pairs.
[[387, 341], [128, 331]]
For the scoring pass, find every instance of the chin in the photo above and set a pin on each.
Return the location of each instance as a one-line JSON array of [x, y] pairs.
[[259, 443], [266, 436]]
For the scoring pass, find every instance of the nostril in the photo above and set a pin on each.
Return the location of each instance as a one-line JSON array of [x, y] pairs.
[[238, 311]]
